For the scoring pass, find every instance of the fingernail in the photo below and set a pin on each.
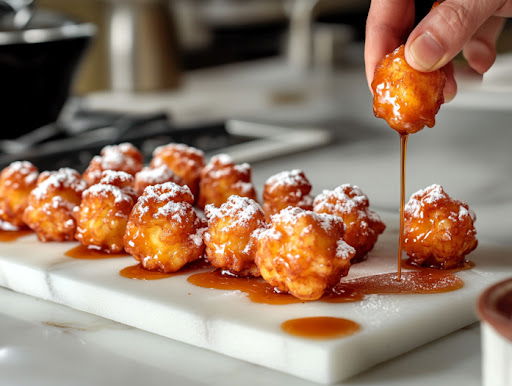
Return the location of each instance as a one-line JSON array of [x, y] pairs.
[[426, 51], [474, 52]]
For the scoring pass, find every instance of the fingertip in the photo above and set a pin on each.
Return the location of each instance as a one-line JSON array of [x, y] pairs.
[[480, 56]]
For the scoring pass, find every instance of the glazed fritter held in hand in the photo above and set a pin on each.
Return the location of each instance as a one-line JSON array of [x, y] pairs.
[[406, 98]]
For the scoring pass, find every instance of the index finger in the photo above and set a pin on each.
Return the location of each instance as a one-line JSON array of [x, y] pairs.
[[387, 25]]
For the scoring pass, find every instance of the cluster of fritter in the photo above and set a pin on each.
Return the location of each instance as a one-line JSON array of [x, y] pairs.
[[299, 244]]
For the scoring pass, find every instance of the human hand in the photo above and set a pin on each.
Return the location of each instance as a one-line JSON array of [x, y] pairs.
[[470, 26]]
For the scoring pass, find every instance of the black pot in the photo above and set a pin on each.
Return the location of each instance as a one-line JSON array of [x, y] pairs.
[[37, 65]]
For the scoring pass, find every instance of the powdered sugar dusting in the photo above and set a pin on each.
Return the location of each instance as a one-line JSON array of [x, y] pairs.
[[344, 251], [293, 177], [7, 226], [178, 146], [65, 178], [156, 175], [23, 168], [110, 177], [338, 201], [105, 190], [240, 210]]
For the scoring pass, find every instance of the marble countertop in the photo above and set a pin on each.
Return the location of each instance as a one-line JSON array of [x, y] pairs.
[[468, 152]]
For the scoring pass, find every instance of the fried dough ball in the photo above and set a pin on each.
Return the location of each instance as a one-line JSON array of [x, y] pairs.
[[104, 211], [16, 182], [222, 178], [362, 225], [123, 157], [185, 161], [303, 252], [154, 176], [284, 189], [51, 205], [438, 230], [164, 232], [406, 98], [229, 240]]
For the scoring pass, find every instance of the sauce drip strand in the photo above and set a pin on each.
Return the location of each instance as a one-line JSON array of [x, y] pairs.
[[403, 159], [83, 252], [258, 291], [320, 327], [9, 236], [138, 272]]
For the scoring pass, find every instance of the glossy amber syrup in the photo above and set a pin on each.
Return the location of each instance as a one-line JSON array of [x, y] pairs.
[[258, 291], [320, 327], [9, 236], [83, 252], [467, 264], [403, 160], [138, 272]]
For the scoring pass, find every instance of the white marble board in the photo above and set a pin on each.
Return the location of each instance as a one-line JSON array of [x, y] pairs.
[[228, 323]]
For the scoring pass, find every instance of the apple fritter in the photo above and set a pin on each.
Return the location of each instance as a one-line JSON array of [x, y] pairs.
[[164, 232], [51, 205], [362, 225], [16, 182], [303, 252], [230, 243], [149, 176], [439, 231], [104, 210], [222, 178], [406, 98], [284, 189], [185, 161], [123, 157]]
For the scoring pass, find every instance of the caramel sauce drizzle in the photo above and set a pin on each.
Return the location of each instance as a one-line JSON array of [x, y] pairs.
[[138, 272], [83, 252], [10, 236], [258, 291], [320, 327], [403, 159]]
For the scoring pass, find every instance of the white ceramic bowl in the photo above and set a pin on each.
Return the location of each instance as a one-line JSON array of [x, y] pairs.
[[495, 310]]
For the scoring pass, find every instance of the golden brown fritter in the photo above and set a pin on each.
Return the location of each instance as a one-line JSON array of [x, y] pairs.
[[406, 98], [229, 240], [284, 189], [153, 176], [104, 211], [164, 232], [362, 225], [51, 205], [222, 178], [185, 161], [16, 182], [123, 157], [303, 252], [439, 231]]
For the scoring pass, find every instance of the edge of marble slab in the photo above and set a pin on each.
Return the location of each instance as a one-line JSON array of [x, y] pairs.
[[330, 364]]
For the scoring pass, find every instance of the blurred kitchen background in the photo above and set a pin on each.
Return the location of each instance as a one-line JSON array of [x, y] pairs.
[[279, 83]]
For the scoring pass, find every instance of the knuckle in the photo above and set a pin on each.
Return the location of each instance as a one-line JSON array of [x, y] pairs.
[[457, 17]]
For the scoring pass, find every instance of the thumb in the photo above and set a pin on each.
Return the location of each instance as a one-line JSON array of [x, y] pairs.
[[445, 30]]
